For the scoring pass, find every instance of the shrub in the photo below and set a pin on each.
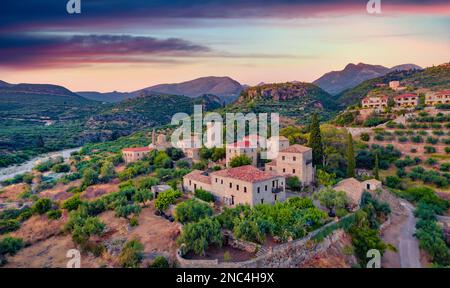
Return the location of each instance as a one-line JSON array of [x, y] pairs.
[[147, 182], [431, 161], [192, 211], [197, 236], [416, 139], [445, 167], [132, 254], [126, 210], [393, 182], [61, 168], [72, 203], [165, 199], [134, 221], [240, 160], [432, 140], [248, 230], [402, 139], [447, 150], [54, 214], [10, 225], [82, 226], [365, 137], [429, 149], [42, 206], [160, 262], [294, 183], [10, 245], [182, 164], [204, 195]]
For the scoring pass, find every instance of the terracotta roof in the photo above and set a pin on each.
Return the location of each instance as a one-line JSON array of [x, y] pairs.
[[352, 187], [137, 149], [296, 148], [246, 173], [200, 176], [410, 95]]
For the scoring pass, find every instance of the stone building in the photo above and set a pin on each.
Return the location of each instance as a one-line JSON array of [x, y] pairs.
[[354, 189], [435, 98], [240, 185], [375, 102], [131, 155], [406, 100], [159, 142], [296, 160]]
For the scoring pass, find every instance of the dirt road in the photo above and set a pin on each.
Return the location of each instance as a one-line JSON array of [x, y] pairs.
[[408, 244]]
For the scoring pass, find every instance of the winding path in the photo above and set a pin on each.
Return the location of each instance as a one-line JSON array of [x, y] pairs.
[[408, 245]]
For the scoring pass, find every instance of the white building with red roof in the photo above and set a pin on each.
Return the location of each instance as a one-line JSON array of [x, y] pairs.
[[296, 160], [240, 185]]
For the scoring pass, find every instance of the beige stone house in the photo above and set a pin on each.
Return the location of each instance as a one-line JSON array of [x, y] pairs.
[[131, 155], [406, 100], [190, 147], [241, 148], [240, 185], [434, 98], [354, 189], [375, 102], [296, 160]]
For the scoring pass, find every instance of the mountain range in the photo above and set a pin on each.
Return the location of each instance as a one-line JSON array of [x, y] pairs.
[[225, 88], [352, 75]]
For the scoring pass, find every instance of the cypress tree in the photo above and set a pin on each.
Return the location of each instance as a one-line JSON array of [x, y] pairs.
[[315, 141], [376, 169], [350, 157]]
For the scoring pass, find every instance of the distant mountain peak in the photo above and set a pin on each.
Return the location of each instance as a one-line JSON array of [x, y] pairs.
[[354, 74]]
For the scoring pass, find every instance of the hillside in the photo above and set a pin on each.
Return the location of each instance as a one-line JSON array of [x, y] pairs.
[[433, 77], [353, 74], [112, 97], [224, 87], [294, 100]]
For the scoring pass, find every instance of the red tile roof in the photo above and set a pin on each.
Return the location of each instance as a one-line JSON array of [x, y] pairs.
[[296, 149], [246, 173], [198, 175], [138, 149]]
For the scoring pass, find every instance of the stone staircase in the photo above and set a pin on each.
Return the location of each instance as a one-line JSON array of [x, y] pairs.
[[262, 251]]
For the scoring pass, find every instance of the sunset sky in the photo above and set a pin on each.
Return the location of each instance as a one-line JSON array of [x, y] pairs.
[[126, 45]]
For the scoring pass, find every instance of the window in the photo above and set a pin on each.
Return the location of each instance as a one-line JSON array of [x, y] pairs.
[[368, 186], [190, 183], [295, 158], [216, 180], [284, 170], [245, 189], [293, 170], [231, 185], [221, 181], [237, 187], [265, 188], [259, 189], [195, 186], [262, 201], [283, 158]]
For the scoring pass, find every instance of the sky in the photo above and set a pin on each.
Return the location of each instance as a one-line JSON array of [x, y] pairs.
[[126, 45]]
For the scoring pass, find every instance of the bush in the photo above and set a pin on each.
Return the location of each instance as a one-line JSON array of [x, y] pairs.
[[447, 150], [204, 195], [42, 206], [248, 230], [54, 214], [365, 137], [61, 168], [429, 149], [165, 199], [192, 211], [294, 183], [393, 182], [160, 262], [132, 254], [197, 236], [240, 160], [10, 245], [445, 167], [134, 221]]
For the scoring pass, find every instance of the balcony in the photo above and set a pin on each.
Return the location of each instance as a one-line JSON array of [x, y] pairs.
[[277, 190]]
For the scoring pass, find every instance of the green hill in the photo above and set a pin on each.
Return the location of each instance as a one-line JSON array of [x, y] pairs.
[[293, 100], [435, 78]]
